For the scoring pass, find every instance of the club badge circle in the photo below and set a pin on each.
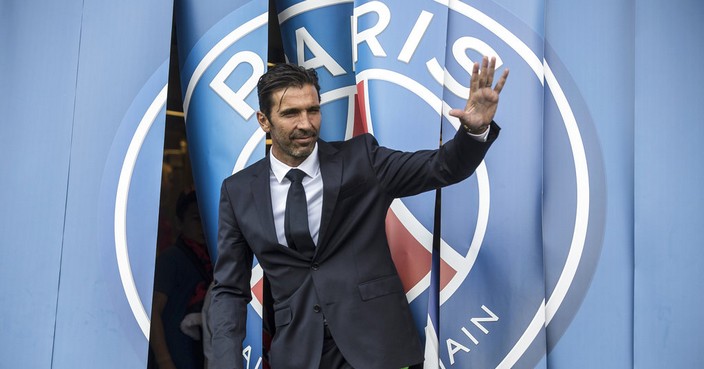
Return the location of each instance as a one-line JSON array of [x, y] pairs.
[[579, 154]]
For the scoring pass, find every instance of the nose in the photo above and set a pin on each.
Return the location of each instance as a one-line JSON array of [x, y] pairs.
[[306, 120]]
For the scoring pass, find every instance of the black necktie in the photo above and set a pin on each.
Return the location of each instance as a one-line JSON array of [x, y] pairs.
[[296, 216]]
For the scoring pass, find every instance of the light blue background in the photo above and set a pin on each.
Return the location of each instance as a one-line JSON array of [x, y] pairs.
[[669, 178], [594, 40], [67, 78], [70, 72], [38, 67]]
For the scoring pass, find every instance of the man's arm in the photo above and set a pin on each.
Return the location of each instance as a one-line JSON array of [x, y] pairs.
[[404, 174], [231, 292]]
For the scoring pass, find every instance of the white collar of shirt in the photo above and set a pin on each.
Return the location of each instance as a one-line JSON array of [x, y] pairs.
[[310, 166]]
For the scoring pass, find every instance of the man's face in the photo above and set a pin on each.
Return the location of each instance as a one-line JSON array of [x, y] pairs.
[[294, 123]]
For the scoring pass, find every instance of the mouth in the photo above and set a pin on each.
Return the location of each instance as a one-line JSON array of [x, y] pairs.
[[304, 138]]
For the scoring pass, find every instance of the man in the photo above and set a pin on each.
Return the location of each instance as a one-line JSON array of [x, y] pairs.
[[338, 300]]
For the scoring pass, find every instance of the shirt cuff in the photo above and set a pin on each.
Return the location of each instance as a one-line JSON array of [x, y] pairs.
[[481, 137]]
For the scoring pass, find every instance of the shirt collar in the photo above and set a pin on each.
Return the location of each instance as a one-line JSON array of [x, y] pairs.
[[310, 166]]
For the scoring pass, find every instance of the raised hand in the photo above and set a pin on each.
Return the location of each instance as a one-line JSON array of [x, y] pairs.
[[483, 99]]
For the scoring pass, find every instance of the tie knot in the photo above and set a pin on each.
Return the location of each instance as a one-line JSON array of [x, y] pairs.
[[295, 175]]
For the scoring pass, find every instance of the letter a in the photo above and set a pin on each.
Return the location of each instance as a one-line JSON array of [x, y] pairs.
[[321, 58], [453, 347]]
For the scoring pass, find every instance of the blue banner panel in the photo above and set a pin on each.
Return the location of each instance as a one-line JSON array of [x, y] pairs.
[[492, 288], [219, 73], [39, 43], [669, 176], [588, 178], [107, 265], [222, 51], [400, 104]]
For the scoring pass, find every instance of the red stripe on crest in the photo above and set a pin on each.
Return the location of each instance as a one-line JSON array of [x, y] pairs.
[[411, 258], [360, 112], [446, 274], [258, 291]]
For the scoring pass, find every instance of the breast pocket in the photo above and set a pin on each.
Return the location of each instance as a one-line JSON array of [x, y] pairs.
[[380, 287]]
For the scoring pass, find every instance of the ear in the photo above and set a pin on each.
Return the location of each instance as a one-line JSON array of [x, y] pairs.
[[263, 122]]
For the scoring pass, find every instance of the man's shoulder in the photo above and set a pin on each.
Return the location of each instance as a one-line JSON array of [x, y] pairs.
[[365, 139]]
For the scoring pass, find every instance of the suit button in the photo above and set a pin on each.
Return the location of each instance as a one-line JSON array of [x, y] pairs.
[[316, 308], [315, 266]]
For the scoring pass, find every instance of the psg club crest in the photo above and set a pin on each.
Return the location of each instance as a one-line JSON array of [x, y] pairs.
[[519, 240]]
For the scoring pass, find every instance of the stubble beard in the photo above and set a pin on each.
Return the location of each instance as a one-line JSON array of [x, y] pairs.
[[291, 149]]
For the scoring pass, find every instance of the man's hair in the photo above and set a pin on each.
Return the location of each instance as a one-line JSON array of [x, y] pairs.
[[283, 76]]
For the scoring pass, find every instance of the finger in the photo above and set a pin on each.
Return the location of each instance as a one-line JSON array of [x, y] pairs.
[[502, 81], [474, 79], [483, 72], [490, 72]]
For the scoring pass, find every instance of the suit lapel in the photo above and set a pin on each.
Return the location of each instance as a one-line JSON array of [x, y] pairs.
[[261, 194], [331, 170]]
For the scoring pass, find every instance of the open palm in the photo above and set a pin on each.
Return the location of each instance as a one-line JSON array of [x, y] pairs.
[[483, 99]]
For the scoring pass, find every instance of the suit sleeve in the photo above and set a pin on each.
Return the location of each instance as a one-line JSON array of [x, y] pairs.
[[231, 291], [408, 173]]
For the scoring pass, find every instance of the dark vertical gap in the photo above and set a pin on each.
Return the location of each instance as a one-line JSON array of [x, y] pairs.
[[176, 175], [542, 188], [275, 47], [176, 168], [434, 288]]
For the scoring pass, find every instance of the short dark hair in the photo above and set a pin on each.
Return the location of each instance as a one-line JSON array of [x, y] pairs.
[[283, 76]]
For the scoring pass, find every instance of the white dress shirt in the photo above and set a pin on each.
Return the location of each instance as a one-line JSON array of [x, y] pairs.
[[313, 186]]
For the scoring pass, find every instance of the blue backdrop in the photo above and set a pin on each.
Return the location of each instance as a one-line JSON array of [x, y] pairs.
[[83, 104], [590, 243]]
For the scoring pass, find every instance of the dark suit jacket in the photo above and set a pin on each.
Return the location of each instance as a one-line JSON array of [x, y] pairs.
[[351, 281]]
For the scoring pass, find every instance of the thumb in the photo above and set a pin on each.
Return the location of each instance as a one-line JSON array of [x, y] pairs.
[[457, 113]]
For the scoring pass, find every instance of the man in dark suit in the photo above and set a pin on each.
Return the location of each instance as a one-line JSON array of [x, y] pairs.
[[313, 212]]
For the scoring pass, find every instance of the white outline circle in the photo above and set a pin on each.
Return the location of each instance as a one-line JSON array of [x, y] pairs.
[[121, 198], [545, 312]]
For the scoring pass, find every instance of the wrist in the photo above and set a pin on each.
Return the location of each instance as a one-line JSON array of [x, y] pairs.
[[476, 130]]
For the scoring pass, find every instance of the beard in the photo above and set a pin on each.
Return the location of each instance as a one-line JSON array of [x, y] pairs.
[[290, 147]]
